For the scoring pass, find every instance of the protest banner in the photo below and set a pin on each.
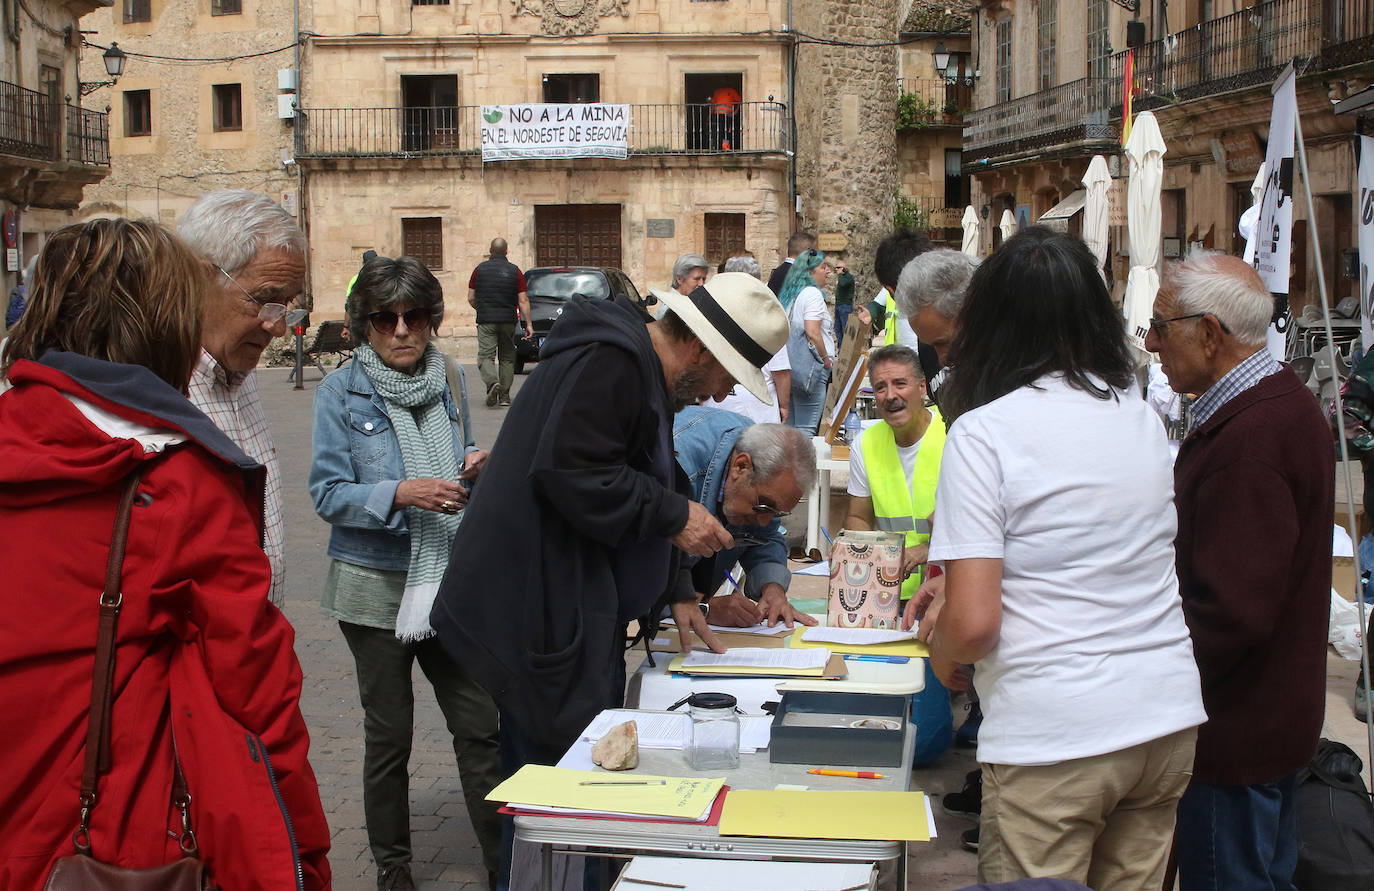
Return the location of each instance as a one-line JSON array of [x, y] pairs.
[[586, 130], [1274, 230]]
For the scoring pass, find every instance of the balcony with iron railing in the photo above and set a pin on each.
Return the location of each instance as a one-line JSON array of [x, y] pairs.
[[936, 95], [686, 129], [1249, 48], [32, 126], [1242, 50], [1069, 114]]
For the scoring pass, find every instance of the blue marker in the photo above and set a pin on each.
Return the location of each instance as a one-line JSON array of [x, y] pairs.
[[733, 582], [826, 533], [895, 660]]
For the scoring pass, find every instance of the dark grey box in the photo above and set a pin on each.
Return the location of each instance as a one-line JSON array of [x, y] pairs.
[[830, 745]]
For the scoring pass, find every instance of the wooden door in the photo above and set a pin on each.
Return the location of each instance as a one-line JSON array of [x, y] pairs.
[[577, 235]]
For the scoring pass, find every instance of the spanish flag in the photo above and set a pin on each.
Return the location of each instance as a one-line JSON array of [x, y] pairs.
[[1128, 88]]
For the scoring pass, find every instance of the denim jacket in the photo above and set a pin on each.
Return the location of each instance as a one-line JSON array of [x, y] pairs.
[[356, 467], [703, 439]]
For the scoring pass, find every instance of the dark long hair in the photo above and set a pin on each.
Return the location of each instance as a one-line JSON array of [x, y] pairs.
[[1037, 305]]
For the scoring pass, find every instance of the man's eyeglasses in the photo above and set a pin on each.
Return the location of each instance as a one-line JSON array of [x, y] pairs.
[[1161, 326], [768, 510], [384, 321], [268, 313]]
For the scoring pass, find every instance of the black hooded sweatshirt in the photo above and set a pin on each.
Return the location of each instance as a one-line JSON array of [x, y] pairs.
[[566, 535]]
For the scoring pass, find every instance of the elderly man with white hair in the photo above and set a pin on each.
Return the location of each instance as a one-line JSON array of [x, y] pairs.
[[256, 255], [1254, 489], [930, 293]]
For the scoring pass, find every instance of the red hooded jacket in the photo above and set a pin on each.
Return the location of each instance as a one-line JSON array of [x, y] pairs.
[[200, 651]]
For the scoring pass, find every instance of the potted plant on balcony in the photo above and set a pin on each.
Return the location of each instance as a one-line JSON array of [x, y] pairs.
[[914, 113], [952, 110]]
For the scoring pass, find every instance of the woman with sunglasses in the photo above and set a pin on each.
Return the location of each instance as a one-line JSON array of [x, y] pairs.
[[394, 455]]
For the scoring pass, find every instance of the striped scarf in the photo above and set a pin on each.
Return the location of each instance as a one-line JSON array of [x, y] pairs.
[[423, 429]]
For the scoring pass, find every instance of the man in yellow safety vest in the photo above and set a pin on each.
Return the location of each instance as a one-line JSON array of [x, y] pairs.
[[895, 465]]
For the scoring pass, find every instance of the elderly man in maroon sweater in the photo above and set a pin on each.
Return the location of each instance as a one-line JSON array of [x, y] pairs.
[[1254, 489]]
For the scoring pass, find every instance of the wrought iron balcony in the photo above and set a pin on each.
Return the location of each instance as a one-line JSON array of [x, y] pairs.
[[32, 126], [692, 129], [938, 95], [1249, 48], [1069, 114]]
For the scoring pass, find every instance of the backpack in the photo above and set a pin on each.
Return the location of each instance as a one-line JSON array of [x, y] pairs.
[[1335, 823]]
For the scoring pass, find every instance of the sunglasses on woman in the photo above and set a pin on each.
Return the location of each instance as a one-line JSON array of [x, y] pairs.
[[384, 320]]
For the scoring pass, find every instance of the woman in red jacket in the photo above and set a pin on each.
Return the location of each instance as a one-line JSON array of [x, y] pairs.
[[96, 379]]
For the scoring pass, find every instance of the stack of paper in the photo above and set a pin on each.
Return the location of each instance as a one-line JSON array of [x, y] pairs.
[[881, 816], [669, 730], [537, 788], [754, 662], [761, 628], [704, 874], [872, 641]]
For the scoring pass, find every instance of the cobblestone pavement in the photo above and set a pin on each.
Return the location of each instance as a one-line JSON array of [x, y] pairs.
[[445, 848]]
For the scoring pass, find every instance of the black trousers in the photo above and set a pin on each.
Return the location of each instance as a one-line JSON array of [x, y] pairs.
[[384, 667]]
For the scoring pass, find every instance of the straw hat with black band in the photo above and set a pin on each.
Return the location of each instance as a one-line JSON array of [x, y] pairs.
[[739, 320]]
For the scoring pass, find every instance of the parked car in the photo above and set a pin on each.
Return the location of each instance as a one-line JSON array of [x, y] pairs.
[[550, 287]]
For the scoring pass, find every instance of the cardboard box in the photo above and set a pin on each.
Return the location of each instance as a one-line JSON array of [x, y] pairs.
[[866, 580]]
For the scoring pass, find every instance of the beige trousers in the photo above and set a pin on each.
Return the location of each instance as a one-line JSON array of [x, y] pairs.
[[1104, 821]]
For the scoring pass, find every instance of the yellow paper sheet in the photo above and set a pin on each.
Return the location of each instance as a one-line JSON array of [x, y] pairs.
[[680, 797], [743, 671], [878, 816], [912, 648]]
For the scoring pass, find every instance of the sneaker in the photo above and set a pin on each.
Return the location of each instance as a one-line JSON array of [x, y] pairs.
[[967, 802], [967, 734], [493, 393], [968, 840], [1361, 700], [504, 398], [395, 878]]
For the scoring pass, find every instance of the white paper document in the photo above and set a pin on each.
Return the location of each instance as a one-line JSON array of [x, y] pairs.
[[821, 569], [758, 657], [760, 628], [670, 730], [858, 636], [702, 874], [657, 730]]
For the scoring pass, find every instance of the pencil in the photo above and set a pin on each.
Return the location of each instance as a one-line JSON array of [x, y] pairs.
[[623, 783]]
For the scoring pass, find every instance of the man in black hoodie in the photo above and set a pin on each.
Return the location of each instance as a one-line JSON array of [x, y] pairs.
[[570, 530]]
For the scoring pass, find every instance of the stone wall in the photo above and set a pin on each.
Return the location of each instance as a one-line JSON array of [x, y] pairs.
[[846, 114], [158, 176], [353, 209]]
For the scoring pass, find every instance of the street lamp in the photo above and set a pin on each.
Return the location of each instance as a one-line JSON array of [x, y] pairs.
[[114, 58], [942, 68]]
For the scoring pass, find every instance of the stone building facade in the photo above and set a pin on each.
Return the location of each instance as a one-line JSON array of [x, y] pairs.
[[389, 136], [930, 117], [53, 145], [1055, 94], [197, 107]]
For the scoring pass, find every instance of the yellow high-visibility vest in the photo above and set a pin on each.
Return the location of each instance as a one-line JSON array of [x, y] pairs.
[[889, 317], [898, 507]]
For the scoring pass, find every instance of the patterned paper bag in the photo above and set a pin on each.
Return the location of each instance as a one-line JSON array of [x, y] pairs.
[[866, 580]]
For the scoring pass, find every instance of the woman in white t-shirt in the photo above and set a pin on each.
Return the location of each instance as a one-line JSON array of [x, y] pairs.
[[1056, 526], [811, 343]]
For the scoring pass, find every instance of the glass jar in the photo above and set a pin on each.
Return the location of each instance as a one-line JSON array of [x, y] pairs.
[[714, 744]]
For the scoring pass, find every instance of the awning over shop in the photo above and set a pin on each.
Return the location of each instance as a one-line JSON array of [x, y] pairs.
[[1057, 217]]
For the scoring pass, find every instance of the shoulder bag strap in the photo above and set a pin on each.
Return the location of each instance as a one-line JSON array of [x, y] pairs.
[[102, 683]]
